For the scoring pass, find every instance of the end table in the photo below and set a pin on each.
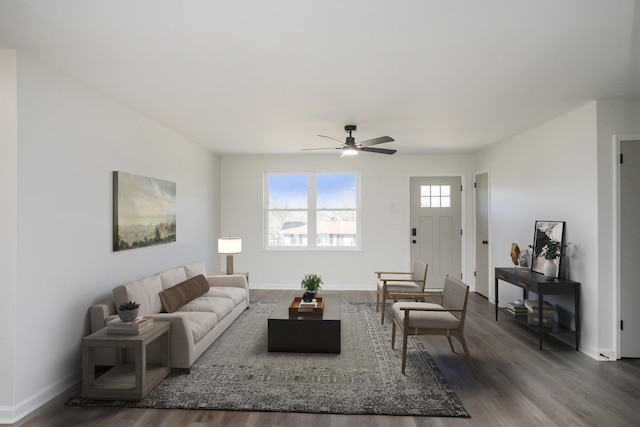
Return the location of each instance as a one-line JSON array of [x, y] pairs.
[[125, 381]]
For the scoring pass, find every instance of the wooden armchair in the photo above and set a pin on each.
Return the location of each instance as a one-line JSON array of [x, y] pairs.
[[425, 318], [394, 284]]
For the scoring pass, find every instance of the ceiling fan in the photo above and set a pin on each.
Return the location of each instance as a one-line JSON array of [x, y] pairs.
[[351, 147]]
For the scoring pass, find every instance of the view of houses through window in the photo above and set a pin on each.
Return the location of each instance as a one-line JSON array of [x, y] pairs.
[[312, 210]]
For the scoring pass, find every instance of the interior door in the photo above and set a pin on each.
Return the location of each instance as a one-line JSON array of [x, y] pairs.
[[436, 231], [482, 234], [629, 238]]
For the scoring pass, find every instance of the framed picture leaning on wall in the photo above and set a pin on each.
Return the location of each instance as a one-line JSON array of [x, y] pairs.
[[548, 241]]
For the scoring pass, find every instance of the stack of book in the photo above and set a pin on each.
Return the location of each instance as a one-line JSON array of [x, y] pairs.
[[516, 309], [132, 327]]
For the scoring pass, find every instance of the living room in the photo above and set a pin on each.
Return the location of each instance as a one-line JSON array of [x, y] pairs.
[[62, 139]]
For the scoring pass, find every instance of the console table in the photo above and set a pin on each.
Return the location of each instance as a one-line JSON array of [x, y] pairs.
[[530, 281]]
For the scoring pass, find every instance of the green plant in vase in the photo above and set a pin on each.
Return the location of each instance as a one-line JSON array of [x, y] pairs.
[[550, 252], [311, 283]]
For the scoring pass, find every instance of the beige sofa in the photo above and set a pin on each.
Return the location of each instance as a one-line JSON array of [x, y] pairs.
[[198, 315]]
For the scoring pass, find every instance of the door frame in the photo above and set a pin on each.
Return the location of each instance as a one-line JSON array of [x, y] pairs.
[[463, 218], [491, 291], [617, 140]]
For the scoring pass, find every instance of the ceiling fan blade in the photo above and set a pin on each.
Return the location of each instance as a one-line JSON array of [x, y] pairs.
[[325, 148], [374, 141], [333, 139], [378, 150]]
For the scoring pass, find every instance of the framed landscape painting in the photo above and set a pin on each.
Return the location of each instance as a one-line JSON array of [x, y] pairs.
[[144, 211], [544, 232]]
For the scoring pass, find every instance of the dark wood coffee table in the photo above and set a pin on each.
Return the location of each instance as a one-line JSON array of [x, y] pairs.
[[305, 333]]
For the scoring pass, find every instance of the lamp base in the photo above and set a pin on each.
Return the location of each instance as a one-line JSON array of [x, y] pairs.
[[229, 264]]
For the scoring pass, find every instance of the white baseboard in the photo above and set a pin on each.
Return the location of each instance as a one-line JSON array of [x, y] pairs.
[[13, 414], [296, 287]]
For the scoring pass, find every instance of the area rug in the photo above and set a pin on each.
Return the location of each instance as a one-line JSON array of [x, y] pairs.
[[237, 373]]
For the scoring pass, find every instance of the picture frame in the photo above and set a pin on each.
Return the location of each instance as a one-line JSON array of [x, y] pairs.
[[144, 211], [545, 231]]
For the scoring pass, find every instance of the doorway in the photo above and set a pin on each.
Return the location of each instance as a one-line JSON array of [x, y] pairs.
[[481, 187], [436, 231], [629, 236]]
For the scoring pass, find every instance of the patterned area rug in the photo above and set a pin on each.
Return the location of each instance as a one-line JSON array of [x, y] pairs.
[[238, 374]]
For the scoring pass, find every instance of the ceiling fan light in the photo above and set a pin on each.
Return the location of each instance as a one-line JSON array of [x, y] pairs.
[[349, 151]]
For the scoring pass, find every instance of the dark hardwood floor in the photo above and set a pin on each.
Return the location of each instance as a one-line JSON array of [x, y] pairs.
[[518, 385]]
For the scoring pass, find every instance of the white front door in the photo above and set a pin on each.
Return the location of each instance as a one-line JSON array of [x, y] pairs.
[[482, 234], [629, 238], [436, 231]]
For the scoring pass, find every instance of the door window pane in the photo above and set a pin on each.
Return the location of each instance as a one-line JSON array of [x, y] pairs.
[[435, 196]]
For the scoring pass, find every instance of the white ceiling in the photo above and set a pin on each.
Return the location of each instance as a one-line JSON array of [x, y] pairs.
[[256, 76]]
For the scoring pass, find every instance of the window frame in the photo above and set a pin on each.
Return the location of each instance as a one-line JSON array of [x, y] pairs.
[[312, 214]]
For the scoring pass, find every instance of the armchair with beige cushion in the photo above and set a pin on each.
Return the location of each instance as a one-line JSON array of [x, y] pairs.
[[393, 284], [426, 318]]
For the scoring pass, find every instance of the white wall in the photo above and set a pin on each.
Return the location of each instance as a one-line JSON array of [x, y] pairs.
[[385, 216], [8, 223], [70, 140], [550, 173]]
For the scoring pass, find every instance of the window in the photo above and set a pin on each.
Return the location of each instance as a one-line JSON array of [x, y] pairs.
[[435, 196], [311, 211]]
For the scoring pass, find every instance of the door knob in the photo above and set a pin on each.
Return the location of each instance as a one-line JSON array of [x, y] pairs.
[[485, 242], [413, 241]]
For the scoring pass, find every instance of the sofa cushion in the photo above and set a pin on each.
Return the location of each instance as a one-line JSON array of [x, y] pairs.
[[220, 306], [180, 294], [201, 324], [145, 291], [237, 295], [172, 277], [195, 268]]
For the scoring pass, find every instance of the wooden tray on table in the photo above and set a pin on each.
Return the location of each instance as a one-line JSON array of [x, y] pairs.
[[295, 309]]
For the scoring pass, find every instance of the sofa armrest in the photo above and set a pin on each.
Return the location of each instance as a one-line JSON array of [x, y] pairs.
[[182, 344], [99, 312], [231, 280]]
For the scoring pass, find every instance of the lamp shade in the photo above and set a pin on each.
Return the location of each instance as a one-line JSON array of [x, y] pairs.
[[229, 245]]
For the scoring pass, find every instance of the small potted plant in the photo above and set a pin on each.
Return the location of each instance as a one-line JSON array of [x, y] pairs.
[[127, 311], [311, 284]]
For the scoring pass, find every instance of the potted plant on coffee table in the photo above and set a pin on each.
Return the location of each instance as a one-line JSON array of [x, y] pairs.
[[127, 311], [311, 284]]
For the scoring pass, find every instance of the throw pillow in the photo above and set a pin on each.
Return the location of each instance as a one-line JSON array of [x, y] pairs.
[[180, 294]]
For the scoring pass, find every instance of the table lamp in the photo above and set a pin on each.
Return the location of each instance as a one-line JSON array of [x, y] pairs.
[[229, 246]]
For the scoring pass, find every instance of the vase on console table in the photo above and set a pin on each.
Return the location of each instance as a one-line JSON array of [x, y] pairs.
[[549, 269]]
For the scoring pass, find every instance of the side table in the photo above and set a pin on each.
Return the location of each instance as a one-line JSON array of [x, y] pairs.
[[125, 381]]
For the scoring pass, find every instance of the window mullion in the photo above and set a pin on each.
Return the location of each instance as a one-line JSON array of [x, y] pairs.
[[312, 237]]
